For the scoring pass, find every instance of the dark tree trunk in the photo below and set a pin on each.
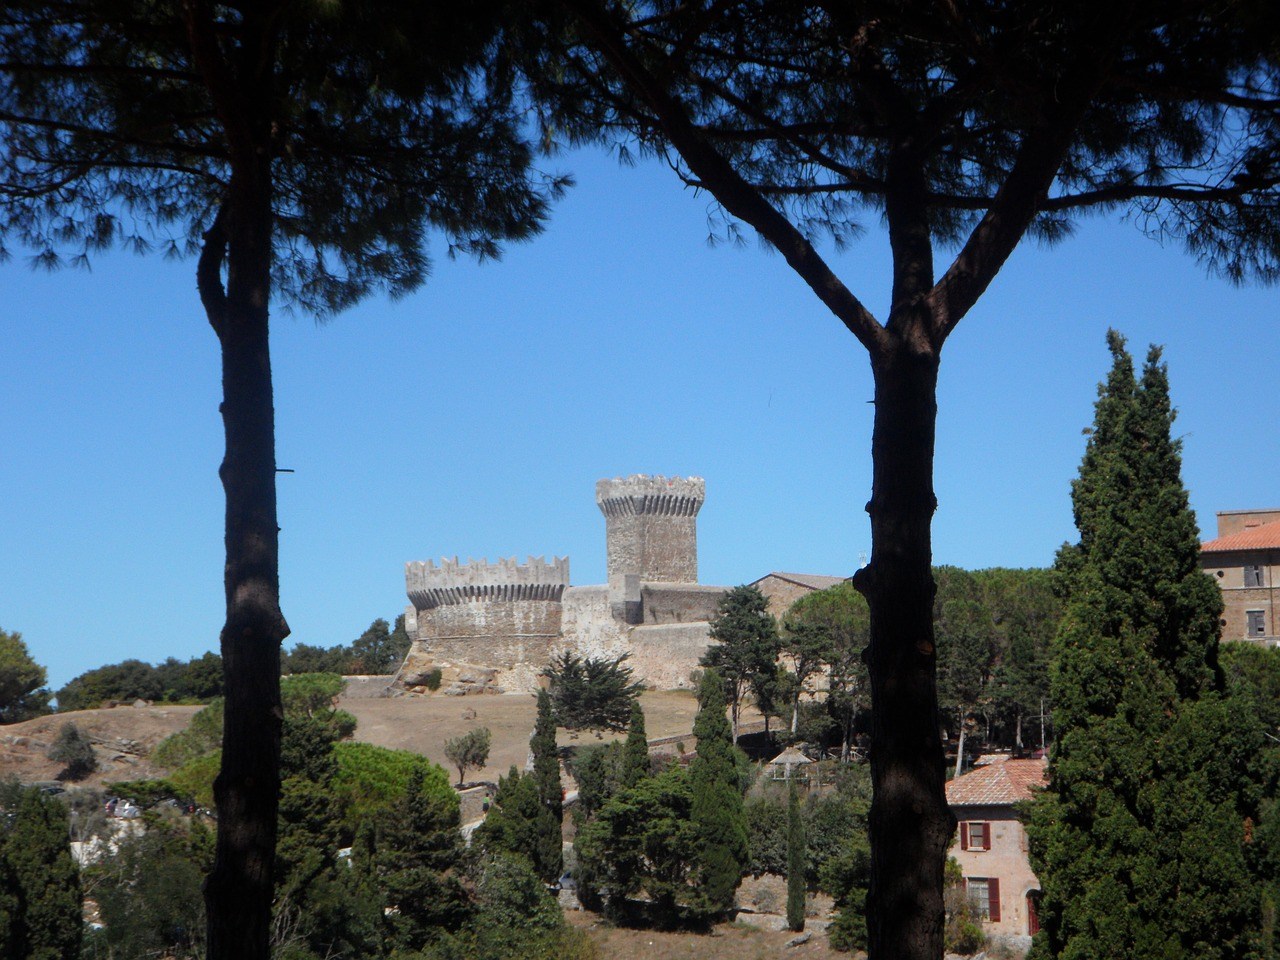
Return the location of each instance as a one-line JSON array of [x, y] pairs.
[[911, 825], [238, 73], [239, 891]]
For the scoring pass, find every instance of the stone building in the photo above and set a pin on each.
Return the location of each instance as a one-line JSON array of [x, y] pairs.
[[784, 589], [1245, 559], [492, 627], [991, 843]]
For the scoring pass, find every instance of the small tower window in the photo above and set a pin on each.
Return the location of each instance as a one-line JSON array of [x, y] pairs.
[[1253, 576]]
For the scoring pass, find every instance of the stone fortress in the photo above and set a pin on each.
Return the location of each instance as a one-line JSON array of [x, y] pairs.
[[493, 627]]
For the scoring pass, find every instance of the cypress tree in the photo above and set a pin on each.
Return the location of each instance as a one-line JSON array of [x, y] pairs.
[[1139, 843], [796, 846], [43, 909], [548, 859], [720, 824], [635, 755]]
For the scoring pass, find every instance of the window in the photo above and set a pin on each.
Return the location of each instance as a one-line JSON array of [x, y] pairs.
[[984, 897], [1253, 576], [975, 835], [1257, 622]]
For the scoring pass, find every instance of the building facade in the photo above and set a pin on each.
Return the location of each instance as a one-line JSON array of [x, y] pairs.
[[1244, 559], [991, 843]]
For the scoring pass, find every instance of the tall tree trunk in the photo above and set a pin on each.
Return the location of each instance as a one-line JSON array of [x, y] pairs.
[[911, 825], [960, 745], [239, 891]]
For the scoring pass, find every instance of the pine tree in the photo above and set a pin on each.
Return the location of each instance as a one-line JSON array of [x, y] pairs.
[[796, 846], [747, 648], [635, 755], [418, 852], [512, 823], [1140, 841], [44, 919], [548, 859], [720, 824]]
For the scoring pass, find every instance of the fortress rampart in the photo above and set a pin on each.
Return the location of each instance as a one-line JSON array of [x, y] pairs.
[[498, 614], [507, 619], [452, 582]]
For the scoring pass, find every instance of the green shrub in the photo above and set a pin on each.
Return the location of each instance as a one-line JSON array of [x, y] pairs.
[[432, 680], [371, 779], [203, 735], [73, 749], [194, 778]]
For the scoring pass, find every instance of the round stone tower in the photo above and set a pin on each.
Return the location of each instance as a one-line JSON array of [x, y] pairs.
[[651, 529], [498, 614]]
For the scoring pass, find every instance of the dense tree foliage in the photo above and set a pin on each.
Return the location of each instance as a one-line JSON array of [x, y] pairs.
[[959, 128], [642, 843], [592, 693], [547, 859], [1145, 843], [837, 625], [635, 751], [379, 650], [23, 694], [746, 648], [196, 680], [148, 892], [512, 823], [40, 902], [720, 850], [797, 887]]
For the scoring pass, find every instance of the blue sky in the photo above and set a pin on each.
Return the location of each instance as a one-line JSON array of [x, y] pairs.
[[474, 417]]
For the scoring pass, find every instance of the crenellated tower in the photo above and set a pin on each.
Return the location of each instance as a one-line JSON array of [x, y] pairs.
[[499, 614], [651, 534]]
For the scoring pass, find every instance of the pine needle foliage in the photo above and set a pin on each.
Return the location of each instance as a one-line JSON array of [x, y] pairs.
[[1143, 844], [548, 858], [721, 850], [635, 753], [796, 887]]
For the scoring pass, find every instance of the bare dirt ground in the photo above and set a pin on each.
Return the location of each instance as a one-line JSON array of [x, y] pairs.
[[124, 736], [725, 942], [424, 724]]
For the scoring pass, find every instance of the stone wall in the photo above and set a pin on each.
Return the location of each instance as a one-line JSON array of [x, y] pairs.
[[651, 527], [678, 602], [499, 614]]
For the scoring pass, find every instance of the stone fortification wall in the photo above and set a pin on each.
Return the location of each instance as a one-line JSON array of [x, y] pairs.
[[651, 528], [500, 614], [667, 654], [588, 626], [678, 602]]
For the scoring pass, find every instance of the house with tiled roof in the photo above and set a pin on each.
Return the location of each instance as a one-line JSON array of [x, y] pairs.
[[1244, 559], [991, 844], [784, 589]]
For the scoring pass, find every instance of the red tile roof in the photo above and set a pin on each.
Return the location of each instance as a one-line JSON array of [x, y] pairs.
[[1002, 783], [1266, 536]]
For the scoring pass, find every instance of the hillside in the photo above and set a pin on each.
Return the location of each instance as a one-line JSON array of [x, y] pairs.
[[124, 736]]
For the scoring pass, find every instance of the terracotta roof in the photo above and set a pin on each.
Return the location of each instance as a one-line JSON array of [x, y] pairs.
[[814, 581], [1265, 536], [996, 784]]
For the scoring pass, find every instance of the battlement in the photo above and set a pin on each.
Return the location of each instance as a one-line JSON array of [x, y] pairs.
[[651, 496], [429, 586]]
